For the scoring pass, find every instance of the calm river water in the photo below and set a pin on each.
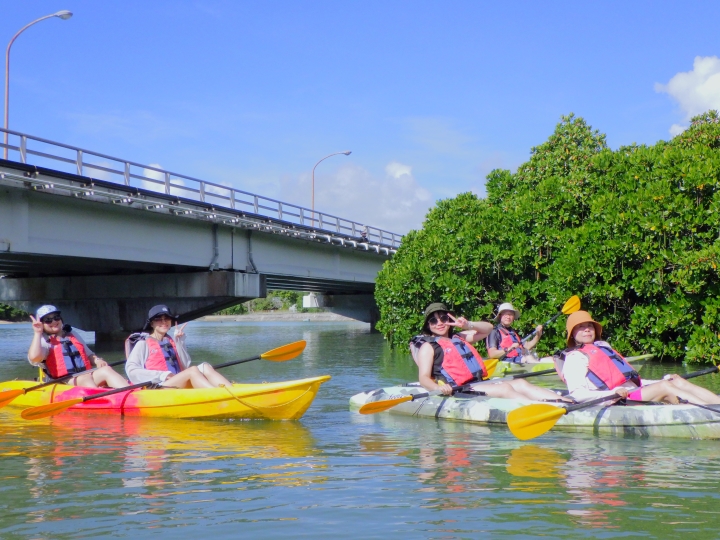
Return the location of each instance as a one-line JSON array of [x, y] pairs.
[[335, 473]]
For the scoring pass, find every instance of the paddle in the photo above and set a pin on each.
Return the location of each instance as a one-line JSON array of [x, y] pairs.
[[280, 354], [532, 421], [7, 397], [686, 402], [384, 405], [571, 306]]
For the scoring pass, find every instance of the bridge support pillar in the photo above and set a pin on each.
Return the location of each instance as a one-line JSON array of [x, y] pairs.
[[114, 306], [356, 306]]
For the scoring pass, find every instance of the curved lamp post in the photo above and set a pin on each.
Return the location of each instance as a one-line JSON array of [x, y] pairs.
[[346, 153], [64, 15]]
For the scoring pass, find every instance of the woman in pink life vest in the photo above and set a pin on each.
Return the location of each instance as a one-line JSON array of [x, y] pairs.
[[593, 369], [156, 357], [61, 352], [446, 356]]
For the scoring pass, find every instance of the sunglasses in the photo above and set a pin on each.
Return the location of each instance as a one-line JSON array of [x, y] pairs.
[[50, 320], [443, 317]]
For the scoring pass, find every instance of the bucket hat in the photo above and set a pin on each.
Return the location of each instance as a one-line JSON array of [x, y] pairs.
[[580, 317], [156, 311], [507, 306]]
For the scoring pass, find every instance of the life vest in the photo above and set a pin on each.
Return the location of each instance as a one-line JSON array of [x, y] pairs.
[[460, 361], [508, 337], [66, 356], [607, 369], [162, 356]]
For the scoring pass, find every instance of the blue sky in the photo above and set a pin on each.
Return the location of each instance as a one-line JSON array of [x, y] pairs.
[[429, 96]]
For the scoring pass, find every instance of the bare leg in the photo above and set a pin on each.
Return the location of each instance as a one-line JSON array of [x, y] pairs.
[[670, 390], [188, 378], [85, 380], [107, 376], [530, 391], [213, 376]]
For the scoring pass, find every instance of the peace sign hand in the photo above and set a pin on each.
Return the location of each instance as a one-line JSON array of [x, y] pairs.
[[179, 332], [460, 322], [37, 325]]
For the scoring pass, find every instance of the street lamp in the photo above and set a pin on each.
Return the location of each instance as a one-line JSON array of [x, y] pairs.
[[346, 153], [64, 15]]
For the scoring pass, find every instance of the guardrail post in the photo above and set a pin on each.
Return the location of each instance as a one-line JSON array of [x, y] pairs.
[[255, 204], [202, 191], [279, 210], [302, 217], [354, 231], [23, 149], [320, 222], [127, 174], [167, 183], [232, 199], [79, 163]]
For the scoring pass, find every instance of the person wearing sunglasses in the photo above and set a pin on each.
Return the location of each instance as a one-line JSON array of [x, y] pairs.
[[152, 355], [60, 352], [445, 358]]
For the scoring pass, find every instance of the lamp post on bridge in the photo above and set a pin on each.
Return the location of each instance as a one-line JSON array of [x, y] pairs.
[[64, 15], [346, 153]]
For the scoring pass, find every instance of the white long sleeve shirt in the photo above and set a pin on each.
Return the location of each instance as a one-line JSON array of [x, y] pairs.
[[135, 365]]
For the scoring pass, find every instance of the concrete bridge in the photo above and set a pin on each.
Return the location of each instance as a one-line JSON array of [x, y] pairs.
[[104, 239]]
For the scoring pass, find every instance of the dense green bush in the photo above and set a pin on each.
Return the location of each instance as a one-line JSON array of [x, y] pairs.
[[276, 299], [634, 232], [8, 313]]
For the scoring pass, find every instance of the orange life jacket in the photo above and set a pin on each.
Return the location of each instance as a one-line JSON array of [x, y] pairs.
[[461, 363], [607, 369], [66, 356], [162, 356], [508, 337]]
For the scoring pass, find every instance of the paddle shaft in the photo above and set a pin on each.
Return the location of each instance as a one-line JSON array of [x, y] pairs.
[[526, 375]]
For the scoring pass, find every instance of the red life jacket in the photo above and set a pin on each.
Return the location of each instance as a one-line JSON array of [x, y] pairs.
[[66, 356], [607, 369], [508, 338], [162, 356], [460, 361]]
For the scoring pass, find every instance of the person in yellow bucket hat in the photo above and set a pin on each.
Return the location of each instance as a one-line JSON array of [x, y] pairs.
[[504, 341], [593, 369]]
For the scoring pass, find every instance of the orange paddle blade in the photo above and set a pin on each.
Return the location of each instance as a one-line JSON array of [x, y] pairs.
[[51, 409], [380, 406], [7, 396], [533, 420], [572, 305], [286, 352]]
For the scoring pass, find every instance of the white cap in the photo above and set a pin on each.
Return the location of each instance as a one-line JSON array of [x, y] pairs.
[[45, 310], [507, 306]]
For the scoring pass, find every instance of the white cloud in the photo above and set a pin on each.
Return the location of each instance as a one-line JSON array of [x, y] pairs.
[[695, 91], [160, 176], [395, 202]]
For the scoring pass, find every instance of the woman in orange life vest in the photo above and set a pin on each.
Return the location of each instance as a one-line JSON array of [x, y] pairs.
[[449, 357], [593, 369], [163, 360], [503, 340], [59, 351]]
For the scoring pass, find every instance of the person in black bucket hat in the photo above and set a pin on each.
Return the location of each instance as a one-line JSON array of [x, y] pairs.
[[152, 355], [446, 358]]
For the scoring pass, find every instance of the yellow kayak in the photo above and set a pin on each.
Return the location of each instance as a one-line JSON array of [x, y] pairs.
[[274, 401]]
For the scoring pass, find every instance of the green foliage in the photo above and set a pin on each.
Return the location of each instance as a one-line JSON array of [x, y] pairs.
[[275, 300], [8, 313], [635, 232]]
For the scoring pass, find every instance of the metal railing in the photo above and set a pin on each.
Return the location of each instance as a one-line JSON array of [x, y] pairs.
[[66, 158]]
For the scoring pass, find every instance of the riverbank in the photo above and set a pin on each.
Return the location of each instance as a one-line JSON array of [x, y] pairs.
[[279, 316]]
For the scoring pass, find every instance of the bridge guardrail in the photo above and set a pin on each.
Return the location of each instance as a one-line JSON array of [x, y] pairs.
[[80, 161]]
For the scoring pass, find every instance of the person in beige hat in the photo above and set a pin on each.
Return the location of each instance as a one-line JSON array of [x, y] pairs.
[[504, 341], [593, 369], [445, 357]]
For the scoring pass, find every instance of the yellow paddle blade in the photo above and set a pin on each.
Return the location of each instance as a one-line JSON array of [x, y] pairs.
[[533, 420], [286, 352], [7, 396], [380, 406], [51, 409], [572, 305], [491, 365]]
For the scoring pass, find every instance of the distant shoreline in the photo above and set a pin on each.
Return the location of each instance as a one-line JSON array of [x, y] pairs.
[[278, 316]]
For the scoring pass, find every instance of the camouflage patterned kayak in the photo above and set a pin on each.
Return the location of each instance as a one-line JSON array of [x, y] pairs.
[[511, 368], [682, 421]]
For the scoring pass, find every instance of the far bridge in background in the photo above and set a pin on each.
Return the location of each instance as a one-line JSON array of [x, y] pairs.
[[105, 238]]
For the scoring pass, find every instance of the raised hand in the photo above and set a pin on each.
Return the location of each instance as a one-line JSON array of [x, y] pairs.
[[460, 322], [179, 331], [37, 325]]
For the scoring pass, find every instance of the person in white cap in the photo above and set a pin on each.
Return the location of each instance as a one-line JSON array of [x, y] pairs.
[[504, 341], [62, 353]]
